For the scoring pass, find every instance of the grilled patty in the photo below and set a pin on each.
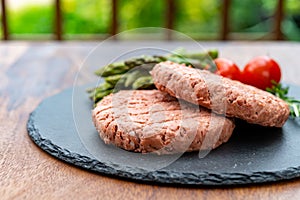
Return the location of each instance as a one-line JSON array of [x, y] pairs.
[[153, 121], [221, 95]]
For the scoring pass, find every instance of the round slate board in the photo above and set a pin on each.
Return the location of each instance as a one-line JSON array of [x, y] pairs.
[[61, 125]]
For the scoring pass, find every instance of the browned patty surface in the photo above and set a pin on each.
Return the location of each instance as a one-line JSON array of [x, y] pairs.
[[220, 94], [153, 121]]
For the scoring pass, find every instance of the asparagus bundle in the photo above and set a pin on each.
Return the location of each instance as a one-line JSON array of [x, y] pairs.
[[134, 73]]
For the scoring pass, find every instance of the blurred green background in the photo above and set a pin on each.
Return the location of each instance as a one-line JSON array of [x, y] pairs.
[[199, 19]]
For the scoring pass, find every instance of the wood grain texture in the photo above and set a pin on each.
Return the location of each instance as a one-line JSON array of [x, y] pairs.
[[30, 72]]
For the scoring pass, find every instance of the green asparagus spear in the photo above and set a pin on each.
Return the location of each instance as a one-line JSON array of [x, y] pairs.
[[113, 79], [198, 60], [101, 91], [212, 54], [104, 86], [118, 76], [133, 76], [134, 62], [99, 95], [144, 82], [130, 78], [112, 69]]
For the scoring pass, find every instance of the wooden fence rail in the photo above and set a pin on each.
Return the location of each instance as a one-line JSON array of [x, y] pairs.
[[4, 20], [169, 20]]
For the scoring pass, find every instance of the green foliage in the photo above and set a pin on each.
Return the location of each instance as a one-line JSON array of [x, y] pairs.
[[292, 6], [291, 24], [198, 16], [137, 13], [252, 16], [194, 17], [87, 16], [282, 92], [258, 16], [31, 19]]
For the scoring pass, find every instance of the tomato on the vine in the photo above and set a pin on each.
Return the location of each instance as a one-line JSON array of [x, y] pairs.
[[260, 72], [227, 68]]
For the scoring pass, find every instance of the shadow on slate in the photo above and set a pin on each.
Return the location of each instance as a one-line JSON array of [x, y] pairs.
[[253, 154]]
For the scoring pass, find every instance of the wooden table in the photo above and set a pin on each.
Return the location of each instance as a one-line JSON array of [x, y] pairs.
[[30, 72]]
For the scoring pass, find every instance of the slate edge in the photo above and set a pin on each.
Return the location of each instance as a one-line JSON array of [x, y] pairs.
[[159, 176]]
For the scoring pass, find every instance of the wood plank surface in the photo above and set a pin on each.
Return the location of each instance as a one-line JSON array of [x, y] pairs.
[[30, 72]]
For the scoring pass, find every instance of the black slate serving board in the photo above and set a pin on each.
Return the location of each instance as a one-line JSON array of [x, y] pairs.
[[61, 125]]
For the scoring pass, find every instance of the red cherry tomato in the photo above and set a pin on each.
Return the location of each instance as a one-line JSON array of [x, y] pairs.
[[227, 68], [260, 72]]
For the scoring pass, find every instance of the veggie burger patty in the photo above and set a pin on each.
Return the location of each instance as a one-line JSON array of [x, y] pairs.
[[153, 121], [222, 95]]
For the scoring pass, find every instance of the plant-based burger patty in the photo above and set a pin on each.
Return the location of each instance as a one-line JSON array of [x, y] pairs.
[[153, 121], [220, 94]]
